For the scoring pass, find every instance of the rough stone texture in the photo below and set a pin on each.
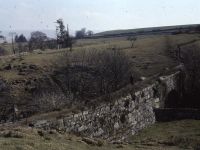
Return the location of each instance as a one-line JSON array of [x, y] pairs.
[[165, 86], [115, 121], [121, 118]]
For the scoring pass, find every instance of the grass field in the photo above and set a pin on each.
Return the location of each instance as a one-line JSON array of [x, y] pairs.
[[148, 55], [177, 135]]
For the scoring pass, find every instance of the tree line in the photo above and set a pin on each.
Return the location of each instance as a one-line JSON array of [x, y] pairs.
[[39, 40]]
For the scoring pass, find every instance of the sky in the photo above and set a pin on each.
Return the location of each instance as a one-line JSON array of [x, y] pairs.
[[96, 15]]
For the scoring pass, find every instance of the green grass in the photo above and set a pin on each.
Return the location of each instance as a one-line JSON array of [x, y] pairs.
[[176, 135]]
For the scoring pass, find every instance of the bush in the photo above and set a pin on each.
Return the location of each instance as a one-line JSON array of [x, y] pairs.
[[2, 51], [49, 101], [90, 74], [191, 59]]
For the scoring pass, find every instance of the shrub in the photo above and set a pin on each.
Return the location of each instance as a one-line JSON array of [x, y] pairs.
[[2, 51], [94, 73]]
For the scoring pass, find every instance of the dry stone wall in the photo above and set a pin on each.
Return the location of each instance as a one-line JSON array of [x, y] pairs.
[[117, 120]]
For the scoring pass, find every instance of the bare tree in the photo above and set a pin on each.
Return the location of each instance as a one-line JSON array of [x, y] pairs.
[[132, 40], [12, 34], [114, 67], [20, 39], [90, 33], [48, 101], [191, 59], [94, 73], [81, 33], [2, 38], [37, 40]]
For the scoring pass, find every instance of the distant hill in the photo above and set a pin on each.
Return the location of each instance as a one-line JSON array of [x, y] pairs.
[[151, 30]]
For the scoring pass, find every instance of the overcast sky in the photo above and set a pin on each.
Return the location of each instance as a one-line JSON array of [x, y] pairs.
[[97, 15]]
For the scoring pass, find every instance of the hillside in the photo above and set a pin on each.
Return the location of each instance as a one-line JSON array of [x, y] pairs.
[[50, 84], [30, 77], [152, 30]]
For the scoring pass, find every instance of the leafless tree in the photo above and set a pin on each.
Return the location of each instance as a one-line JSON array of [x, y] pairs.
[[90, 33], [132, 40], [191, 59], [48, 101], [37, 40], [12, 34], [94, 73], [81, 33]]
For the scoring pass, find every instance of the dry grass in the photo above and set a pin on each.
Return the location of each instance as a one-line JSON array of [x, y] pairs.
[[149, 56], [183, 134], [175, 135]]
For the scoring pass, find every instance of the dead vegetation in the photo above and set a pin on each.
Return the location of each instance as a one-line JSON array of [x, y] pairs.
[[94, 68], [170, 136]]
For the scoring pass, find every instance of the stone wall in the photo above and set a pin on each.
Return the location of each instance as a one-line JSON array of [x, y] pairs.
[[165, 86], [112, 122], [124, 116]]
